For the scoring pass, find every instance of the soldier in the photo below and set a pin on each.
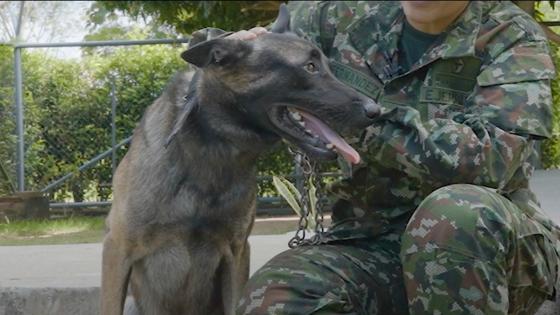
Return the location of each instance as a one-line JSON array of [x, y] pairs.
[[439, 217]]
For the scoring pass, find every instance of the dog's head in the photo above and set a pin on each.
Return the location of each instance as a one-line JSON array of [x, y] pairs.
[[281, 84]]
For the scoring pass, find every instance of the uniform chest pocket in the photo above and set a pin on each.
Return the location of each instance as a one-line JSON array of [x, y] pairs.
[[447, 85]]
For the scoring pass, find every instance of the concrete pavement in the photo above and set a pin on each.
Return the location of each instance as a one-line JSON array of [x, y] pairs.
[[64, 279], [79, 265], [546, 185]]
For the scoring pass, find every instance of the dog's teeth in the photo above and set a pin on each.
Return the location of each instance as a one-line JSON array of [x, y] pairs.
[[301, 123], [294, 114], [308, 131], [330, 146]]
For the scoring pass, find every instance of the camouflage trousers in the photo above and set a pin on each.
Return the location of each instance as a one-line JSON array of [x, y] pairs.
[[465, 250]]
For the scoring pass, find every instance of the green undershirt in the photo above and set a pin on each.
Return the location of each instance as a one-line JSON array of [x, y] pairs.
[[412, 45]]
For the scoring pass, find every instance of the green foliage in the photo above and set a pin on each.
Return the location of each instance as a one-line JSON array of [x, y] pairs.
[[7, 121], [107, 33], [68, 112], [188, 16], [543, 10], [550, 148], [277, 161], [290, 193]]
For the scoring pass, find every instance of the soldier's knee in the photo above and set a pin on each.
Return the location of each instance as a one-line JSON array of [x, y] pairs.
[[458, 241], [460, 217], [458, 203], [465, 207], [294, 282]]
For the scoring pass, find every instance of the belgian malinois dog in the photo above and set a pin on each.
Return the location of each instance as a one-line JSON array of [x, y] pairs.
[[185, 193]]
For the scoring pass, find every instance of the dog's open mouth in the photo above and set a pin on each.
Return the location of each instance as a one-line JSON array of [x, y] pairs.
[[311, 134]]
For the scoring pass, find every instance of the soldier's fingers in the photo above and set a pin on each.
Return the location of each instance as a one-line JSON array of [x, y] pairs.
[[259, 30], [242, 35]]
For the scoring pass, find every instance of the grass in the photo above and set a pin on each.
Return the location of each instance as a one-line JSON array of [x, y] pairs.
[[55, 231], [82, 229]]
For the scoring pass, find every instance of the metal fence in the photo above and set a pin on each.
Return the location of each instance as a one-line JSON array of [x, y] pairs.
[[97, 166]]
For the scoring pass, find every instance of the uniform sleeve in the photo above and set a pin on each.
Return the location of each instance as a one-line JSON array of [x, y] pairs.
[[319, 21], [305, 19], [486, 142]]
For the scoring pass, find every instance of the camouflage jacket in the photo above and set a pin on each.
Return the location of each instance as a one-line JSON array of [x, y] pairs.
[[469, 111]]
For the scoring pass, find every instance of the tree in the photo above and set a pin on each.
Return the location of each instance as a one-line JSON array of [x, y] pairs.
[[188, 16], [532, 8], [118, 32], [40, 20]]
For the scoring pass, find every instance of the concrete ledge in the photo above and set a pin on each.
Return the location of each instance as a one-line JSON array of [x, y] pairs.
[[65, 279], [550, 308], [85, 301], [49, 301]]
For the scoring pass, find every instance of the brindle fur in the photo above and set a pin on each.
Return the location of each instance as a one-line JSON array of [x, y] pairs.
[[184, 194]]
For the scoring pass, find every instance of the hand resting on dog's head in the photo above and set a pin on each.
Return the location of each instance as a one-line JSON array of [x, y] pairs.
[[248, 35]]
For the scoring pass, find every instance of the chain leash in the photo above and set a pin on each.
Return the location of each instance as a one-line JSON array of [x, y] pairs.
[[309, 177]]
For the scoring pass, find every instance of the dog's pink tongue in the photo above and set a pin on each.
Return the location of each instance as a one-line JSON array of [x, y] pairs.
[[329, 136]]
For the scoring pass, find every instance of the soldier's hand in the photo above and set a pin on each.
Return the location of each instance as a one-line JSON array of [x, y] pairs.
[[248, 35]]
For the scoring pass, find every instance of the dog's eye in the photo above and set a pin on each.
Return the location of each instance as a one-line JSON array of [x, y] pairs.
[[311, 67]]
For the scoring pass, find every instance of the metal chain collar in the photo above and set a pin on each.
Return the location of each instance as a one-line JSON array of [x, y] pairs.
[[309, 176]]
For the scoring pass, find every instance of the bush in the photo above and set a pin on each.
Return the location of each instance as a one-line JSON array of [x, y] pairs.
[[7, 121], [550, 148], [68, 112]]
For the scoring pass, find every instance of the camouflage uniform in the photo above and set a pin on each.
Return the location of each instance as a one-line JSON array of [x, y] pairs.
[[439, 217]]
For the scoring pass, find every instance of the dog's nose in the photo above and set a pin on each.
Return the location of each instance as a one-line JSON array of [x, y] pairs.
[[371, 108]]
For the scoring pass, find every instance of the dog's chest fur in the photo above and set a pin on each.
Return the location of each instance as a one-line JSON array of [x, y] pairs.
[[203, 190], [220, 208]]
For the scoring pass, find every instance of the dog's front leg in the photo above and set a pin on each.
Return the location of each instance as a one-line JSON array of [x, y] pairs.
[[229, 285], [235, 274], [115, 272], [243, 266]]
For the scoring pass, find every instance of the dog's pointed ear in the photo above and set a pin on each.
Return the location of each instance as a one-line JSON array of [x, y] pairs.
[[282, 23], [216, 51]]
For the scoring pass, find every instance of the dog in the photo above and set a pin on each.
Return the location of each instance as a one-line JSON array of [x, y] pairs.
[[185, 193]]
